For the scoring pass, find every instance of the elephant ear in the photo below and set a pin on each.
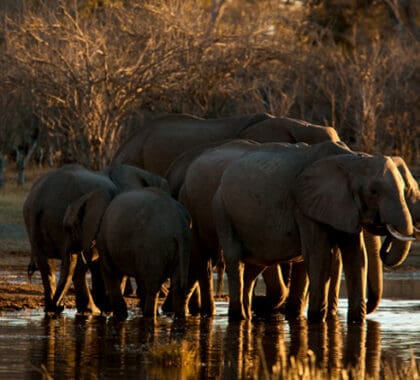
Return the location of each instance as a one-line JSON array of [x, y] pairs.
[[83, 217], [127, 177], [323, 193]]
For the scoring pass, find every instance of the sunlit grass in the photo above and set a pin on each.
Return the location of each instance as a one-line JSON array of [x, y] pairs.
[[307, 369], [174, 354]]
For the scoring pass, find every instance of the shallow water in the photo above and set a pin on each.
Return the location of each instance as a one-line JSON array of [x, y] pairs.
[[73, 346]]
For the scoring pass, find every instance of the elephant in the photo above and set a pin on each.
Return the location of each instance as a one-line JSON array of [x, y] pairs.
[[156, 145], [392, 251], [144, 234], [201, 180], [43, 212], [198, 173], [307, 204]]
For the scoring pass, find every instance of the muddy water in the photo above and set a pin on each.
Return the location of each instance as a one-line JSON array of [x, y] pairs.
[[74, 346]]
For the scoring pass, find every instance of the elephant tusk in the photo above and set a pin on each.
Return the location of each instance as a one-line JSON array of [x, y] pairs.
[[398, 235]]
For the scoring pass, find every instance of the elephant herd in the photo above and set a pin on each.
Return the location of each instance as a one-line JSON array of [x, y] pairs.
[[261, 194]]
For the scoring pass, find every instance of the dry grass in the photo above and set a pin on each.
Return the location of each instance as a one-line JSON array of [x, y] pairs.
[[12, 195]]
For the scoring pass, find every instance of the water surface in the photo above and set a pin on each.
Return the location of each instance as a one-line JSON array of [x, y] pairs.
[[73, 346]]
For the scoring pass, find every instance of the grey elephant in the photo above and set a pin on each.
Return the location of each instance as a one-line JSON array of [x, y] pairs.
[[307, 205], [160, 142], [144, 234], [157, 144], [392, 252], [201, 175], [43, 212]]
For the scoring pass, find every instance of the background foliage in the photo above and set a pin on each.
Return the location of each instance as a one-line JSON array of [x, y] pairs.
[[78, 78]]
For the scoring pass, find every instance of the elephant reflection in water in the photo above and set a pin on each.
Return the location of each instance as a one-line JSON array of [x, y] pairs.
[[96, 348], [69, 348], [266, 353]]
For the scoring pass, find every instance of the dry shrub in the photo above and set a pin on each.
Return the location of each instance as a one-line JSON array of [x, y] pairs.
[[91, 76]]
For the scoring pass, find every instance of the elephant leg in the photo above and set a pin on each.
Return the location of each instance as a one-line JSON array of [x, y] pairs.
[[99, 295], [150, 305], [375, 271], [251, 272], [286, 273], [84, 299], [233, 253], [316, 249], [298, 291], [194, 300], [335, 282], [353, 253], [194, 303], [201, 268], [206, 287], [150, 308], [112, 282], [276, 291], [68, 265], [180, 298], [128, 287], [47, 269]]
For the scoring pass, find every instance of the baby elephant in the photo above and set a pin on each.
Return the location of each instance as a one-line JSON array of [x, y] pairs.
[[143, 234]]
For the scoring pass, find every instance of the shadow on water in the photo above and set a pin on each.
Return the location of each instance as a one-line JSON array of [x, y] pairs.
[[73, 346]]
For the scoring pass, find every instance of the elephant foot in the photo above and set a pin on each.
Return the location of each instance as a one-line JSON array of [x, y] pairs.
[[236, 315], [263, 306], [54, 310], [208, 311], [316, 317], [355, 319], [120, 315]]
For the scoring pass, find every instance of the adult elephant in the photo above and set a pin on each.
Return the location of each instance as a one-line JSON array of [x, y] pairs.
[[201, 177], [144, 234], [44, 211], [160, 142], [307, 205], [392, 251]]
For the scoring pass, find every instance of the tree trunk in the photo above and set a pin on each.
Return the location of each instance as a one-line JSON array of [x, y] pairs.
[[20, 166]]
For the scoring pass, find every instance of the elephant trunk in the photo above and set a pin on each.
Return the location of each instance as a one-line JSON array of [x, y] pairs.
[[394, 252], [400, 234], [375, 272]]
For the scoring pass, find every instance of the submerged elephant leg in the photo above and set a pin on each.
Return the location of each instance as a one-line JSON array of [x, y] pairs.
[[335, 282], [298, 291], [354, 261], [251, 272]]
